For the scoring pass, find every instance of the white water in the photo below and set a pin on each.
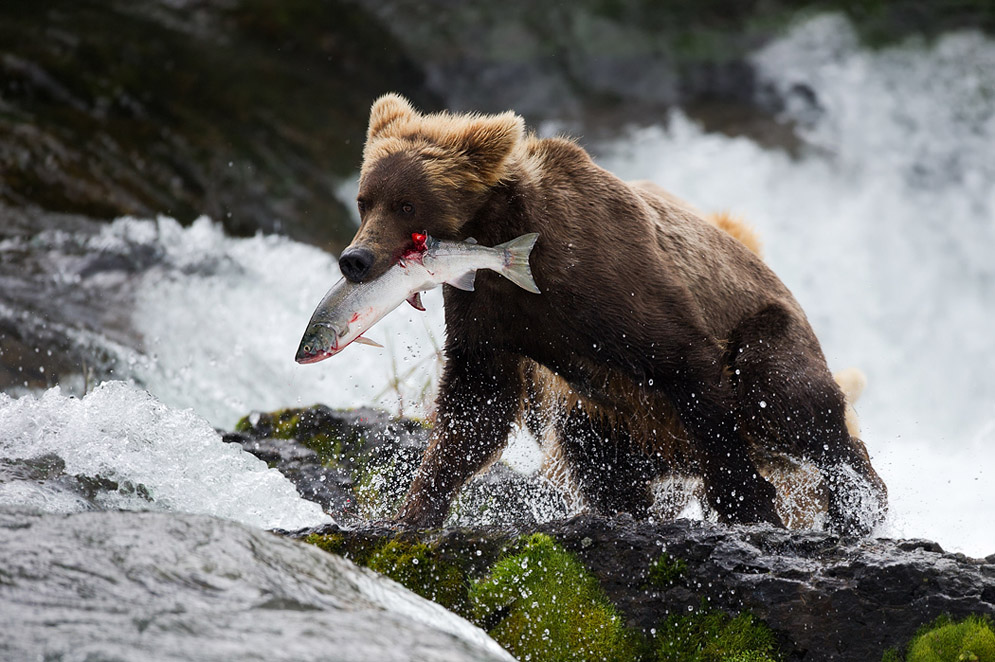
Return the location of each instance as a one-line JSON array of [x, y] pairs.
[[223, 318], [162, 459], [884, 230]]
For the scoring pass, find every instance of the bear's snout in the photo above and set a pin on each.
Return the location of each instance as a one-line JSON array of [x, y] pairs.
[[355, 263]]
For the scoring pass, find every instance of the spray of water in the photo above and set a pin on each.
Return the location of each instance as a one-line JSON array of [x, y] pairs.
[[221, 319], [119, 448]]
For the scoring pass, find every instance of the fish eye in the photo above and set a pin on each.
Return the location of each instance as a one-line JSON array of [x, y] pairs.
[[307, 349], [407, 208]]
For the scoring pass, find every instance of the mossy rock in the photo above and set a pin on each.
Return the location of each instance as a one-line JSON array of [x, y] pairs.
[[714, 636], [426, 568], [970, 640], [422, 569], [348, 435], [666, 571], [540, 603]]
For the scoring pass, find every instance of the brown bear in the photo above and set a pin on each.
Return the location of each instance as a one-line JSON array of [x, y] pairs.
[[802, 500], [680, 349]]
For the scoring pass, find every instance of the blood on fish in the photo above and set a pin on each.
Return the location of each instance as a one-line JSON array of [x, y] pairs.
[[355, 316], [416, 253]]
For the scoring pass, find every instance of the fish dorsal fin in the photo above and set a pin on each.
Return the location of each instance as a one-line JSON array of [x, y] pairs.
[[366, 341], [471, 240], [464, 282], [415, 301]]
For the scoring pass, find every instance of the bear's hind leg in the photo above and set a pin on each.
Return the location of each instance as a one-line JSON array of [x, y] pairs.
[[788, 402], [700, 394]]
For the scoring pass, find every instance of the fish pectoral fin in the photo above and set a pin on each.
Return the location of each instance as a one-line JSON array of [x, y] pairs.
[[464, 282], [415, 301], [366, 341]]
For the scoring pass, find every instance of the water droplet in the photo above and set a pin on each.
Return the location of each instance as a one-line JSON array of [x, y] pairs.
[[763, 404]]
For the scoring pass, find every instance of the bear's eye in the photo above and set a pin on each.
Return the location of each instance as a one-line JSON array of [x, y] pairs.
[[361, 206], [407, 208]]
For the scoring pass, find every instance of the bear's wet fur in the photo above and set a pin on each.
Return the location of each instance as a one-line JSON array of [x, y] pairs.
[[655, 319]]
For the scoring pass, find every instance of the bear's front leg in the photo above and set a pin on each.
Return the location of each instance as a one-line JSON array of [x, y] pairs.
[[479, 398]]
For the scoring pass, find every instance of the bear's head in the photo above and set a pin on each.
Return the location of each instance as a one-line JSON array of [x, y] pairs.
[[423, 173]]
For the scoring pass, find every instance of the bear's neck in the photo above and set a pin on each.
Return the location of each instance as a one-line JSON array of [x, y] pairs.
[[504, 213]]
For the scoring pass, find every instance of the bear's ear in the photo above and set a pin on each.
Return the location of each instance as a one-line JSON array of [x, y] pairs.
[[486, 141], [386, 110]]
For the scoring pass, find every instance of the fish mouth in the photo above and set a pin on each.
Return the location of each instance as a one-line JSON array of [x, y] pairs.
[[313, 357]]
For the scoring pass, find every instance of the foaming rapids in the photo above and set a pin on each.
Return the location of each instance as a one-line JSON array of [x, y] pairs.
[[222, 318], [118, 448]]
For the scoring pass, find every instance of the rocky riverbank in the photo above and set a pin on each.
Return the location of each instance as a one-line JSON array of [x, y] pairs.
[[790, 595]]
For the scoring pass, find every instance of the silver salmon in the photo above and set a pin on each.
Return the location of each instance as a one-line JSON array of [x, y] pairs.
[[350, 309]]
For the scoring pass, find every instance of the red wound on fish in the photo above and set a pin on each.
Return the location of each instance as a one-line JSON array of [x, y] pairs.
[[419, 239]]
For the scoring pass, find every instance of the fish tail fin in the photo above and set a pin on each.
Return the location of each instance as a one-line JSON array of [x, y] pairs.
[[516, 261]]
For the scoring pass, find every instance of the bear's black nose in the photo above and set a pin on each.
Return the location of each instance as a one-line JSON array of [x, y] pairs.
[[355, 263]]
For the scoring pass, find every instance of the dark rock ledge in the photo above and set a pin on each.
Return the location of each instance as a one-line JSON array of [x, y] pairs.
[[823, 598]]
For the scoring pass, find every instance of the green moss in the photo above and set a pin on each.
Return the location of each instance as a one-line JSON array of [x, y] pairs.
[[297, 424], [284, 423], [748, 656], [714, 636], [243, 425], [666, 570], [540, 603], [358, 549], [970, 640], [417, 566], [333, 543], [422, 569], [328, 447]]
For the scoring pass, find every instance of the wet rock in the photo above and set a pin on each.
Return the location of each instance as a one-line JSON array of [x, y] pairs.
[[824, 598], [356, 463], [359, 463], [246, 110], [172, 586], [830, 599]]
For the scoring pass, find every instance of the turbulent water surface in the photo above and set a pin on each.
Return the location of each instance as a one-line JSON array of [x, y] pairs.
[[882, 223]]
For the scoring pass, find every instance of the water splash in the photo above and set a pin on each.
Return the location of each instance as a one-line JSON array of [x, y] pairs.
[[221, 318], [120, 448]]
